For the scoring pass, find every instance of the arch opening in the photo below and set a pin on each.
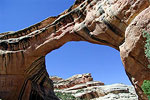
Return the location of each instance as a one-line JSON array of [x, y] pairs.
[[101, 61]]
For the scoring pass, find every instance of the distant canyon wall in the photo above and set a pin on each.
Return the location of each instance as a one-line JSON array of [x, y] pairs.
[[83, 87]]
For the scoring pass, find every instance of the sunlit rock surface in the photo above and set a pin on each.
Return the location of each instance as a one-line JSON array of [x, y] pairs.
[[72, 81], [94, 90]]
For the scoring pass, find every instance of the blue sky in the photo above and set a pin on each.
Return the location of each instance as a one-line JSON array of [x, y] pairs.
[[74, 57]]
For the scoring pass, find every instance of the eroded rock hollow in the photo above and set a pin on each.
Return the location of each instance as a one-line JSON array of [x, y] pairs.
[[115, 23]]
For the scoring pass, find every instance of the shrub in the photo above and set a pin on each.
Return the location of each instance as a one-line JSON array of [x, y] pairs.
[[147, 45], [65, 96], [146, 88], [148, 97], [79, 91], [146, 84]]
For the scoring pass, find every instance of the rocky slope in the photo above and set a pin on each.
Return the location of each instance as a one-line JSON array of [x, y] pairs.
[[82, 87], [115, 23]]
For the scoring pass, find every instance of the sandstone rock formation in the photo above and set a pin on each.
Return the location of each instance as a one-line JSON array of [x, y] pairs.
[[93, 90], [116, 23], [72, 81]]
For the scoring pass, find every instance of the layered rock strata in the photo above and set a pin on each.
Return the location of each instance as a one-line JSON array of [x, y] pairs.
[[92, 90], [115, 23], [60, 83]]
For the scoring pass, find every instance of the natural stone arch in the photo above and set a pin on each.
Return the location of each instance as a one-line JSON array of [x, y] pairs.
[[114, 23]]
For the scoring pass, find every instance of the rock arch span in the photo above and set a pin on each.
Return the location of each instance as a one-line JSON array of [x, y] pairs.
[[116, 23]]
